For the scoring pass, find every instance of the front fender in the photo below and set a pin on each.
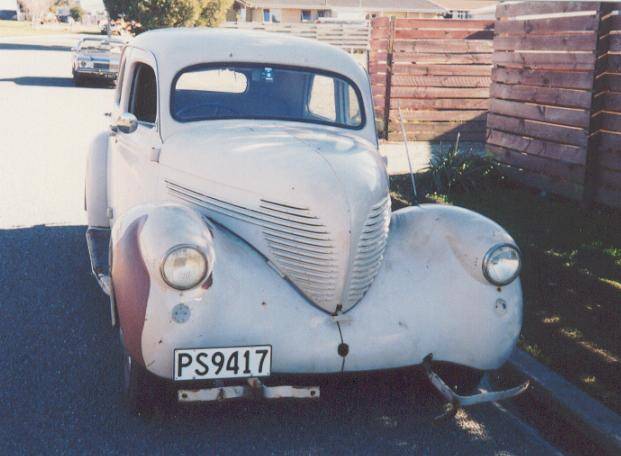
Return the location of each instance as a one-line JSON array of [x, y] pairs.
[[244, 302], [140, 239], [430, 296]]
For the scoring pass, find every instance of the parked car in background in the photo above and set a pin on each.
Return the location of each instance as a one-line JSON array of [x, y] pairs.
[[96, 58], [240, 220]]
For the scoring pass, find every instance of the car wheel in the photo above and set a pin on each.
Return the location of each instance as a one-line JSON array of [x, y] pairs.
[[78, 81], [463, 380], [136, 388]]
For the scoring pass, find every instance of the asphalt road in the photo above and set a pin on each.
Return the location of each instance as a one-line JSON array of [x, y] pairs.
[[60, 363]]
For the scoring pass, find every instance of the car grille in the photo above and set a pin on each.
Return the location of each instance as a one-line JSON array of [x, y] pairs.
[[101, 66], [370, 251], [302, 248], [300, 244]]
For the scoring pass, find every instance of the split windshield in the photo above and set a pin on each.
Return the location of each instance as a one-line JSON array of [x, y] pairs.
[[245, 91]]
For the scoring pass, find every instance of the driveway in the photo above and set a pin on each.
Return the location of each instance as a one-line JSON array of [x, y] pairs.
[[60, 368]]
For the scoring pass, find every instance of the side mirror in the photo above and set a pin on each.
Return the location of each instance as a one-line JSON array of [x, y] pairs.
[[126, 123]]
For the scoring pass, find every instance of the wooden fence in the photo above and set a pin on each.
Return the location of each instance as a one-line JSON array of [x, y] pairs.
[[350, 37], [555, 109], [437, 70]]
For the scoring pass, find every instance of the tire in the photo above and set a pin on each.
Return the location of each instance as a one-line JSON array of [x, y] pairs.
[[463, 380], [78, 80], [136, 387], [143, 392]]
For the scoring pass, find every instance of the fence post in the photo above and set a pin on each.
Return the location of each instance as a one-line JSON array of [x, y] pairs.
[[391, 41], [591, 178]]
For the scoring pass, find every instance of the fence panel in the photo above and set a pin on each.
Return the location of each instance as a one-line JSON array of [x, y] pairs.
[[606, 148], [351, 37], [437, 70], [539, 122]]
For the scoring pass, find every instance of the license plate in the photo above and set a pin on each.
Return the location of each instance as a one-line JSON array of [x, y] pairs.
[[222, 363]]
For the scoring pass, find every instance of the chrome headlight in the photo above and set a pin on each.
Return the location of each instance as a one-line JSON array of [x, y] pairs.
[[502, 264], [85, 62], [184, 267]]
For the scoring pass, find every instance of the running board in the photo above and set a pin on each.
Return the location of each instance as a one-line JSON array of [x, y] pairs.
[[455, 401], [98, 240]]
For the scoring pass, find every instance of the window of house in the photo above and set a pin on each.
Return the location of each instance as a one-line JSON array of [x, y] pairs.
[[323, 13], [306, 15], [266, 15], [143, 99], [276, 15]]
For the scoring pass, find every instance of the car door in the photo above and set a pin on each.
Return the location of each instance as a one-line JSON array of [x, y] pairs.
[[132, 157]]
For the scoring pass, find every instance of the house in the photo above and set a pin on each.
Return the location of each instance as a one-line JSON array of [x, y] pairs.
[[468, 9], [9, 11], [288, 11]]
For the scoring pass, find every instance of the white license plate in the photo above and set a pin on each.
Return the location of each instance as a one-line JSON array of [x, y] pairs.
[[221, 363]]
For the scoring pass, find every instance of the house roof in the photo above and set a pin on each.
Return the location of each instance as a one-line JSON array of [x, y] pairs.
[[368, 5], [464, 5]]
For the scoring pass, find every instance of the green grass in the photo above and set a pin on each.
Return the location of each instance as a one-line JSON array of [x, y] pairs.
[[571, 280], [19, 28]]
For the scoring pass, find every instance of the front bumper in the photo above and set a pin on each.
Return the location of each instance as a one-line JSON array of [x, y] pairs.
[[96, 73]]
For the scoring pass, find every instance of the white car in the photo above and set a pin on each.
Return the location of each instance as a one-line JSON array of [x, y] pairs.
[[246, 209]]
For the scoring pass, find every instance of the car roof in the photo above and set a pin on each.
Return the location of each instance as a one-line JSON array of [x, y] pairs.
[[178, 48]]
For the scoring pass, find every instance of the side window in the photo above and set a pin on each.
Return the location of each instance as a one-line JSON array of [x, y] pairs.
[[321, 102], [143, 99]]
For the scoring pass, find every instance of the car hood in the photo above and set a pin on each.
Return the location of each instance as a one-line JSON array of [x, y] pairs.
[[312, 199]]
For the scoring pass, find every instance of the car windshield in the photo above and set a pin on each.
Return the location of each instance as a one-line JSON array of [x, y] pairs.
[[101, 45], [245, 91]]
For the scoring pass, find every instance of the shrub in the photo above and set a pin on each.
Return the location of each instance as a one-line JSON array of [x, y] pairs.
[[452, 170], [153, 14]]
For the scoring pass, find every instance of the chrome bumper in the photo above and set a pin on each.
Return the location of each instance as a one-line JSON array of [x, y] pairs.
[[455, 401], [253, 390], [93, 72]]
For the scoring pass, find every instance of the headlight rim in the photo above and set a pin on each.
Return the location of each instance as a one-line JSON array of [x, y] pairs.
[[486, 259], [179, 247]]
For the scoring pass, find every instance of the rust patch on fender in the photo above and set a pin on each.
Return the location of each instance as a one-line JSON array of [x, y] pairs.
[[131, 283], [208, 283]]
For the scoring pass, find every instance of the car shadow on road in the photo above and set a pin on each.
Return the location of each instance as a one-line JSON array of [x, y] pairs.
[[61, 380], [54, 81], [32, 47]]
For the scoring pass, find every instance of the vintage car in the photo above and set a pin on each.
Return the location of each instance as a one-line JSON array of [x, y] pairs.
[[240, 220], [96, 58]]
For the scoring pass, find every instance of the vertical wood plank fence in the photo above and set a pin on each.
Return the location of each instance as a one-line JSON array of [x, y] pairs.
[[437, 70], [555, 109]]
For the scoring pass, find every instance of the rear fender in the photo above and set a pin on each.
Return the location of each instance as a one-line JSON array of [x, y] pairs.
[[96, 187]]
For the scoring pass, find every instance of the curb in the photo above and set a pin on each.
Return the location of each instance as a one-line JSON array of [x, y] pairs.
[[590, 417]]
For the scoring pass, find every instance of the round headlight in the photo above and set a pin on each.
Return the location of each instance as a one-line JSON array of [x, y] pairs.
[[502, 264], [184, 267]]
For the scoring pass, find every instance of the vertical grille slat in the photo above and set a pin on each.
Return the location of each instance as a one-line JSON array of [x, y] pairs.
[[370, 251]]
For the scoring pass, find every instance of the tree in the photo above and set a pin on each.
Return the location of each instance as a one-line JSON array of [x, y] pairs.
[[169, 13], [76, 12], [213, 12]]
